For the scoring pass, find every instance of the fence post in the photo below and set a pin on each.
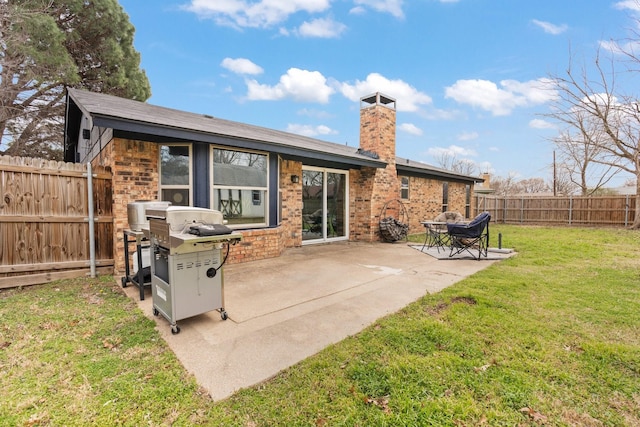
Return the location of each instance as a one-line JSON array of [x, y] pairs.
[[570, 209], [92, 235], [626, 211]]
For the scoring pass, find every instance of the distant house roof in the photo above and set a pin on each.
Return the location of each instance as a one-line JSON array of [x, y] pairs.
[[626, 190], [138, 120], [242, 176]]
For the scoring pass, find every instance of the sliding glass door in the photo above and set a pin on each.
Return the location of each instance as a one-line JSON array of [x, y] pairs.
[[325, 205]]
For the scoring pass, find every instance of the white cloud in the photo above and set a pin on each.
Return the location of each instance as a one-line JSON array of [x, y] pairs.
[[535, 91], [501, 101], [483, 94], [394, 7], [618, 48], [311, 131], [407, 97], [299, 85], [467, 136], [322, 28], [628, 4], [410, 128], [541, 124], [550, 28], [255, 14], [611, 46], [452, 150], [241, 66], [602, 98]]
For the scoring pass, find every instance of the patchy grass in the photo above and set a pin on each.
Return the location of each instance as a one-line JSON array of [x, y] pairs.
[[79, 352], [549, 337]]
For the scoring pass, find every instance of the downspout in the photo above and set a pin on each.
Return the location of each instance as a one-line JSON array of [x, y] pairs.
[[92, 238]]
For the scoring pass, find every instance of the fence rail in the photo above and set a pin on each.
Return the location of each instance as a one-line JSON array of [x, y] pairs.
[[44, 221], [571, 210]]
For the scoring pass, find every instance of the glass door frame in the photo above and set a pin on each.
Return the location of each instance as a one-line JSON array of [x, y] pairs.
[[325, 171]]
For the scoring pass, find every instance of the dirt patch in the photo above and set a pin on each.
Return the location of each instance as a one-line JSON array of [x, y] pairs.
[[464, 300], [443, 305]]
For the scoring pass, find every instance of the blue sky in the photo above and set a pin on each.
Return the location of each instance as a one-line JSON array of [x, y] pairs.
[[468, 75]]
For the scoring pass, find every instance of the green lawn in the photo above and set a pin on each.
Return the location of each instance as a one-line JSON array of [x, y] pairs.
[[549, 337]]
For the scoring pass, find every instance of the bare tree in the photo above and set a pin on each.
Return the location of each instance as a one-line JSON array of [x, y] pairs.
[[579, 150], [505, 186], [564, 185], [449, 161], [512, 186], [533, 185], [615, 117], [465, 167]]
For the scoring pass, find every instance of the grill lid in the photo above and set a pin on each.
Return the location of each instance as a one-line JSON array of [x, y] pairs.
[[178, 217]]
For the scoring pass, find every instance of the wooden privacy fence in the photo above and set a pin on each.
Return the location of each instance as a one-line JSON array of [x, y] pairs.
[[44, 221], [570, 210]]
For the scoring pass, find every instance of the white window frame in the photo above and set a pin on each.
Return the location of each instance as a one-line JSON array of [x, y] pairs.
[[189, 187], [265, 198], [405, 187], [324, 172]]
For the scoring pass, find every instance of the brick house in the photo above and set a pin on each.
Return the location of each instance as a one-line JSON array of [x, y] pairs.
[[281, 190]]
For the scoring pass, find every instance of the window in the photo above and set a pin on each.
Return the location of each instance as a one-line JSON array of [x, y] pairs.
[[240, 186], [445, 196], [404, 187], [175, 174], [257, 197], [467, 205]]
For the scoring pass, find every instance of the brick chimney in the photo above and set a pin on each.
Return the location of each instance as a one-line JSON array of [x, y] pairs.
[[378, 138], [486, 184]]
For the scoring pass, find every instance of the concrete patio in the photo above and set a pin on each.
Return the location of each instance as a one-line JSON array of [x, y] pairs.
[[286, 309]]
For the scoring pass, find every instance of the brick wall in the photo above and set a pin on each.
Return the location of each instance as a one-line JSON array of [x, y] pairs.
[[270, 243], [360, 213], [135, 177], [457, 197], [375, 187], [291, 203], [257, 244], [425, 200]]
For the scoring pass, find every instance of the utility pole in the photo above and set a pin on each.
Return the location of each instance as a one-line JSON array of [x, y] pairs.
[[555, 191]]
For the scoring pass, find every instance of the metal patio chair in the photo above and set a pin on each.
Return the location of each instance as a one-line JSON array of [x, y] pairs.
[[436, 230], [470, 237]]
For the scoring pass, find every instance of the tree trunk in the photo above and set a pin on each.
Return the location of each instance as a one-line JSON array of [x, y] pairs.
[[636, 219]]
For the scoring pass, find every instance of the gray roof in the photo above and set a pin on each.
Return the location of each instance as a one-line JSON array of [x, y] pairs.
[[135, 119]]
